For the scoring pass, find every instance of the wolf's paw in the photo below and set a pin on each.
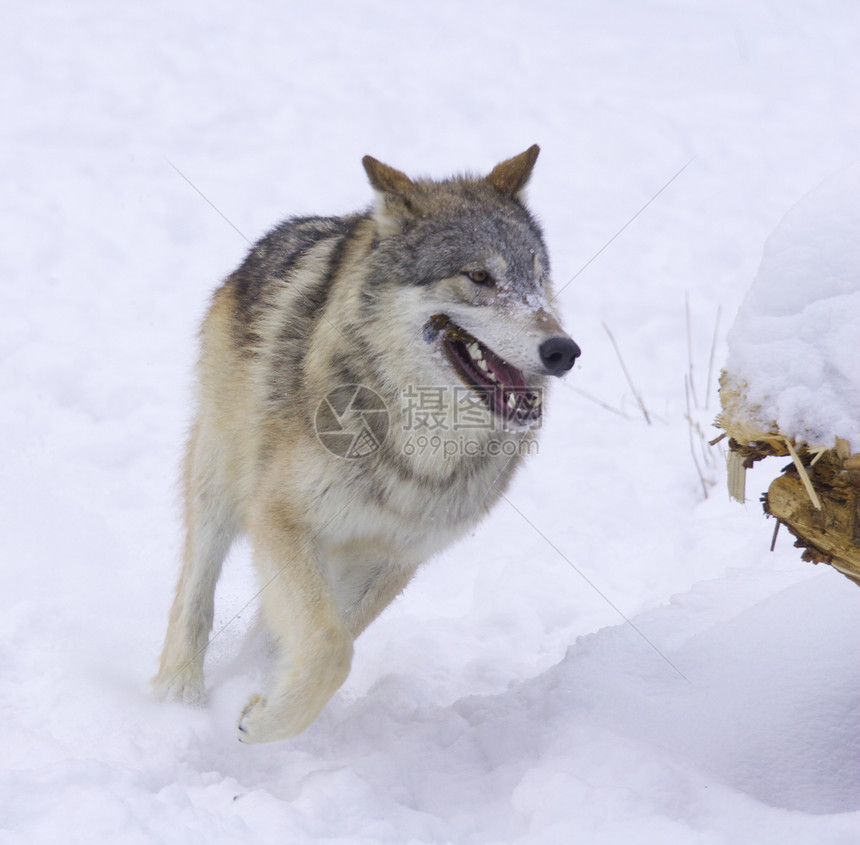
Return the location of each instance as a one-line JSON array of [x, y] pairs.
[[299, 695], [185, 687], [261, 722], [255, 723]]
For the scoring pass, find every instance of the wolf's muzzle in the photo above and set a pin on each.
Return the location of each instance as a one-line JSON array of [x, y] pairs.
[[558, 355]]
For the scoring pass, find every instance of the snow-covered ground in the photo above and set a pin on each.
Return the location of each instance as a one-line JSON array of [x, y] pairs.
[[611, 657]]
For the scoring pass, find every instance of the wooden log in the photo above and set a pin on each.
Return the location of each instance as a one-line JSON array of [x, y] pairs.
[[829, 534], [817, 496]]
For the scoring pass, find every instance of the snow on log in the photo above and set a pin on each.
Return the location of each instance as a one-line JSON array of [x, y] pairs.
[[791, 383]]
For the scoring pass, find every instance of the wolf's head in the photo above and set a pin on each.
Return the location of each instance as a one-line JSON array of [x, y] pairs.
[[461, 265]]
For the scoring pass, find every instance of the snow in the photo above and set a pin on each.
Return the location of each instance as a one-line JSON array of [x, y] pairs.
[[609, 657], [792, 349]]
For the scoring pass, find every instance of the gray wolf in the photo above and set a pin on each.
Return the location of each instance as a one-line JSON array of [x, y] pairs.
[[440, 286]]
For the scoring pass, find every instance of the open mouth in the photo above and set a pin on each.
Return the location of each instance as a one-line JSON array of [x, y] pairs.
[[501, 386]]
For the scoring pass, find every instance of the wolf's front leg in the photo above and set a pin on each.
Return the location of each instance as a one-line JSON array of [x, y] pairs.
[[314, 644]]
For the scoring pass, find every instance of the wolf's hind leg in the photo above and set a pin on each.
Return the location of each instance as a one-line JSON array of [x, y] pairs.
[[210, 526], [300, 610]]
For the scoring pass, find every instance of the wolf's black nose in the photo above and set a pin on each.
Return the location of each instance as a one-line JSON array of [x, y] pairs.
[[558, 354]]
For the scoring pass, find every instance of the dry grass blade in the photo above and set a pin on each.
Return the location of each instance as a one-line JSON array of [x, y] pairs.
[[712, 358], [691, 391], [804, 475], [600, 402], [636, 393]]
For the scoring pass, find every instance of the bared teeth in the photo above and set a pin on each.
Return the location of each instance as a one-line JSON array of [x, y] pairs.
[[477, 371]]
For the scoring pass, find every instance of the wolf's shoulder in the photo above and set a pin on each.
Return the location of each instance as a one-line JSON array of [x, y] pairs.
[[276, 252], [274, 258]]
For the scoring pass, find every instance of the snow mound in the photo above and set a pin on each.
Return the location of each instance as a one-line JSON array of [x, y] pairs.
[[793, 351]]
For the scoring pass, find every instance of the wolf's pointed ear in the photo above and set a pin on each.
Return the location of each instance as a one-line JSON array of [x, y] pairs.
[[384, 178], [393, 190], [512, 176]]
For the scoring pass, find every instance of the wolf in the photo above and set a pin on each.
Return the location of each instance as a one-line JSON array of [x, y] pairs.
[[303, 439]]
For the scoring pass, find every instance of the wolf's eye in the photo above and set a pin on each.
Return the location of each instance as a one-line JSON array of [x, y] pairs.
[[480, 277]]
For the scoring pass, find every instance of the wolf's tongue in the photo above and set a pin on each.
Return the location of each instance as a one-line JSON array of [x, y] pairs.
[[507, 375]]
